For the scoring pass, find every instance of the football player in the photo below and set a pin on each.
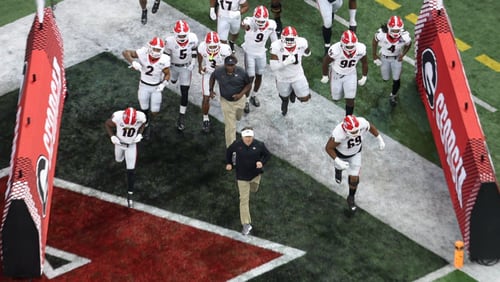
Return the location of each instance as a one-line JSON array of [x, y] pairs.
[[394, 43], [344, 147], [143, 3], [327, 9], [125, 129], [211, 53], [276, 10], [182, 49], [258, 29], [286, 63], [339, 66], [228, 18]]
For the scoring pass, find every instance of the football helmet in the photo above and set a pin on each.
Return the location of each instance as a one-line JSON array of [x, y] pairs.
[[130, 116], [395, 26], [156, 46], [213, 42], [260, 16], [181, 30], [288, 36], [351, 126], [348, 42]]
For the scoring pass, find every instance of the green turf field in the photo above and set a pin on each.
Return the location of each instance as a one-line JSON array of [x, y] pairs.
[[372, 241], [184, 173]]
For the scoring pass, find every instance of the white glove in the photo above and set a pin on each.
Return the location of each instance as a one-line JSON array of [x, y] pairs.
[[136, 65], [324, 79], [362, 81], [340, 164], [115, 140], [289, 60], [138, 138], [191, 66], [162, 86], [213, 16], [377, 62], [381, 143]]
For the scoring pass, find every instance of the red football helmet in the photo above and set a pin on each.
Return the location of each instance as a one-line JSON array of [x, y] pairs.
[[348, 42], [156, 46], [288, 36], [395, 26], [181, 30], [130, 116], [260, 16], [213, 42], [351, 126]]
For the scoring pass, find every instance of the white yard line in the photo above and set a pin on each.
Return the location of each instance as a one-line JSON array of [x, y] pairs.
[[397, 186]]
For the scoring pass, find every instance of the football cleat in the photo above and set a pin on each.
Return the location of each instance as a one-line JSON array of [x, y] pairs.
[[247, 108], [180, 123], [206, 126], [338, 176], [255, 101], [393, 100], [348, 42], [130, 202], [351, 204], [292, 96], [144, 17], [284, 106], [156, 5]]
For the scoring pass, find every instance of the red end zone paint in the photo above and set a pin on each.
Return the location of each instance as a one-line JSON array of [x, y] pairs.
[[129, 245]]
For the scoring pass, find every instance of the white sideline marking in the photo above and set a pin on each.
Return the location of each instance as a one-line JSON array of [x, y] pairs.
[[407, 59], [288, 253], [433, 276]]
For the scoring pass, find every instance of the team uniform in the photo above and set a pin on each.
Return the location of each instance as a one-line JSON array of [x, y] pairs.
[[127, 134], [342, 72], [210, 61], [152, 76], [394, 43], [228, 17], [182, 48], [255, 45], [344, 147]]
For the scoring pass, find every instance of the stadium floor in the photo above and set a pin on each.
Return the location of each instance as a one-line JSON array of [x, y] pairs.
[[397, 186]]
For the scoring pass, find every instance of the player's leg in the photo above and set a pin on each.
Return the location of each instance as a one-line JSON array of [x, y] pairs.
[[284, 90], [156, 5], [276, 10], [301, 89], [353, 7], [350, 88], [144, 15], [205, 104], [185, 82], [326, 10], [234, 31], [396, 68], [353, 180], [130, 159], [144, 96]]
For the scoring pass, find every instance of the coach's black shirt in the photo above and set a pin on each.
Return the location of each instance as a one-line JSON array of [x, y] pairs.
[[246, 158], [231, 84]]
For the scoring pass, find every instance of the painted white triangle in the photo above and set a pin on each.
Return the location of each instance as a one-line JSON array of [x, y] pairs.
[[74, 262]]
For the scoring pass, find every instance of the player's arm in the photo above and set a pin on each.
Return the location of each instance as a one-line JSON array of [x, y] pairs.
[[166, 74], [327, 60], [374, 131], [330, 147], [405, 50], [110, 126], [244, 7], [375, 48], [364, 65], [130, 55]]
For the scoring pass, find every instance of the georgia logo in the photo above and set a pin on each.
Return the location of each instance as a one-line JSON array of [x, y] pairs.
[[429, 75], [42, 181]]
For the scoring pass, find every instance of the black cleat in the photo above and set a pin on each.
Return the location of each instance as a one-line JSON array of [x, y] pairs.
[[156, 5], [180, 123], [353, 28], [338, 176], [144, 17], [247, 108], [284, 107], [255, 101], [231, 44], [206, 126], [130, 202], [351, 204], [393, 100], [279, 27], [292, 97]]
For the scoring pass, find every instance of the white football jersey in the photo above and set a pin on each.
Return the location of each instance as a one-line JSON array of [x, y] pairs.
[[295, 70], [152, 72], [350, 145], [210, 61], [228, 6], [181, 54], [127, 133], [256, 38], [342, 64], [390, 46]]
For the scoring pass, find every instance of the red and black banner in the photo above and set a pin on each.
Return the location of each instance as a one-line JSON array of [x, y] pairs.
[[458, 135], [34, 151]]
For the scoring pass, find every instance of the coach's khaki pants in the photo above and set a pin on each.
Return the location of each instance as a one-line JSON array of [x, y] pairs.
[[245, 187], [232, 111]]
